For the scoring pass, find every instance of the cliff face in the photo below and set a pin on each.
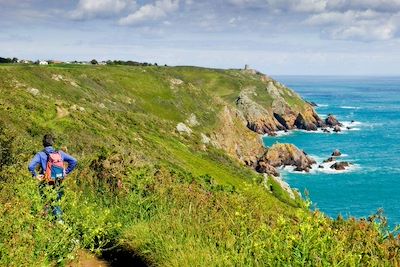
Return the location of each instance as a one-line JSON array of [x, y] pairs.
[[288, 110], [233, 137]]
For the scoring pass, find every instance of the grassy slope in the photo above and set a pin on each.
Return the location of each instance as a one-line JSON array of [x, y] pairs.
[[179, 204]]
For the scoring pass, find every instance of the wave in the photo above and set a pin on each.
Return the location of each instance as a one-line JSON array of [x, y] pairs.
[[322, 105], [326, 168], [283, 133], [321, 167], [349, 107]]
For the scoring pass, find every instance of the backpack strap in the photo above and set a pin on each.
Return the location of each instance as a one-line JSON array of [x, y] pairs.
[[47, 153]]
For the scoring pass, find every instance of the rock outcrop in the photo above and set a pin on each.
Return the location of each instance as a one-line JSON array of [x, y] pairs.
[[330, 159], [331, 121], [301, 123], [235, 138], [284, 155], [340, 166], [336, 153], [287, 110], [183, 128], [284, 185], [337, 129], [258, 119]]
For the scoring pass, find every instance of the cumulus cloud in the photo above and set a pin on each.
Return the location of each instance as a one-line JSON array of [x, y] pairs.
[[283, 5], [362, 20], [377, 5], [87, 9], [364, 32], [366, 25], [150, 12]]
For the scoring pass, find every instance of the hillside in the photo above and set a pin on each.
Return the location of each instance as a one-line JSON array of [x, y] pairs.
[[166, 171]]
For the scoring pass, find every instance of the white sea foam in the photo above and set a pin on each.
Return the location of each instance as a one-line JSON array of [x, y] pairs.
[[282, 133], [326, 167], [349, 107], [322, 105]]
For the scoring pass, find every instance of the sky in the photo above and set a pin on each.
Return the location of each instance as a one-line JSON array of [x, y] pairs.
[[277, 37]]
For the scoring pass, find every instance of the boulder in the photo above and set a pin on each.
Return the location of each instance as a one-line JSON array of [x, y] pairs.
[[264, 167], [192, 121], [337, 129], [287, 155], [325, 130], [340, 166], [205, 139], [331, 159], [301, 123], [332, 121], [33, 91], [336, 153], [182, 128]]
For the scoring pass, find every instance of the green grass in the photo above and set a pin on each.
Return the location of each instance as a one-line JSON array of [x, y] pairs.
[[180, 203]]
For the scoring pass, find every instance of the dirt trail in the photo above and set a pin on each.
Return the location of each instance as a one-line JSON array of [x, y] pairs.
[[85, 259], [113, 258]]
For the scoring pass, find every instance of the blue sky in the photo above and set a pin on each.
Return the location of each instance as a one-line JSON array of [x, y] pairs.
[[321, 37]]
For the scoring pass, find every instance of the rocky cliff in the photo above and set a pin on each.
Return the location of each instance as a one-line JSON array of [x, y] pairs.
[[288, 110]]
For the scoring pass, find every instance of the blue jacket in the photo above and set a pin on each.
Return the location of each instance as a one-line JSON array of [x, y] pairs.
[[41, 158]]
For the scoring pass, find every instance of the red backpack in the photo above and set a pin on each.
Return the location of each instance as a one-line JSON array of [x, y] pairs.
[[55, 167]]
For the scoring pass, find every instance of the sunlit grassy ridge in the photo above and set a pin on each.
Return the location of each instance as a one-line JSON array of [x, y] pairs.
[[179, 204]]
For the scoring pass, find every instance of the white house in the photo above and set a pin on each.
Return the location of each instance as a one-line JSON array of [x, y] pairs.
[[43, 62]]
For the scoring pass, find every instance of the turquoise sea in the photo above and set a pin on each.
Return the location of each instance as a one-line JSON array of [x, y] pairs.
[[372, 144]]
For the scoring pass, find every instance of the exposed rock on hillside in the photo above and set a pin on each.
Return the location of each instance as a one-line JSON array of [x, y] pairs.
[[192, 120], [60, 78], [288, 110], [182, 128], [258, 119], [265, 167], [301, 123], [33, 91], [284, 185], [284, 155], [205, 139], [233, 137]]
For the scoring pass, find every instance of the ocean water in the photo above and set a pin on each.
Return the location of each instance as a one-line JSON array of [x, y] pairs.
[[372, 145]]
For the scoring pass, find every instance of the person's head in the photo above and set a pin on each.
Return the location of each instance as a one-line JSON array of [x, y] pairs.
[[48, 140]]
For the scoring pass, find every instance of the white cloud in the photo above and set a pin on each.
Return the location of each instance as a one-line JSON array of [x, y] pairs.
[[100, 8], [364, 32], [365, 25], [150, 12], [335, 18], [377, 5]]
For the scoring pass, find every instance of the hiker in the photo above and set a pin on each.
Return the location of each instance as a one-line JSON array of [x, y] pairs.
[[52, 171]]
